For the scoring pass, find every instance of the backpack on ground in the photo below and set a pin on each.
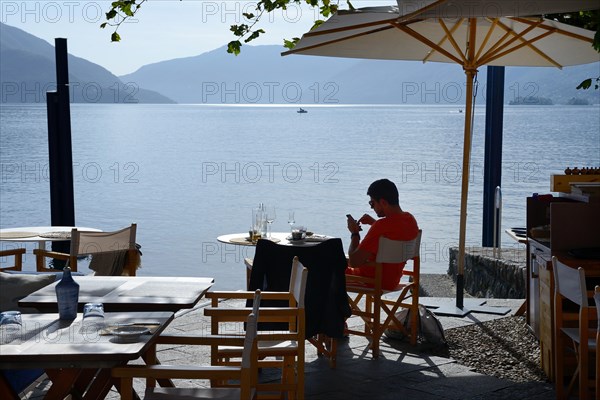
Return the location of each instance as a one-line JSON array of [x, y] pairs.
[[431, 331]]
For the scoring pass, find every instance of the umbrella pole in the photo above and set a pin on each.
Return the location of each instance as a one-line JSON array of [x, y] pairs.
[[460, 280]]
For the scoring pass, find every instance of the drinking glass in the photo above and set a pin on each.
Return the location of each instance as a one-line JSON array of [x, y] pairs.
[[291, 219], [11, 320], [270, 215], [93, 310], [93, 316], [298, 232]]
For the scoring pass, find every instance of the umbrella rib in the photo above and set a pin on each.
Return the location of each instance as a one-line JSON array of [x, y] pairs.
[[529, 43], [428, 42], [449, 33], [554, 30], [349, 28], [450, 37], [314, 46], [502, 44], [487, 39], [409, 16]]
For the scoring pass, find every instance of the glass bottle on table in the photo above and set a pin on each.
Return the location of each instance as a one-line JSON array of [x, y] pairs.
[[67, 296], [257, 223]]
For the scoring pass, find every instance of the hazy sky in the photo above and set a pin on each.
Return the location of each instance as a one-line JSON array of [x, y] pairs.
[[163, 29]]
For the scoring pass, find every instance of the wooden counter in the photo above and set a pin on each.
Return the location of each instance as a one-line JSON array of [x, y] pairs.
[[573, 225]]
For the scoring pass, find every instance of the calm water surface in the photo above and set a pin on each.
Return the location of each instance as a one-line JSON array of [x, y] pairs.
[[189, 173]]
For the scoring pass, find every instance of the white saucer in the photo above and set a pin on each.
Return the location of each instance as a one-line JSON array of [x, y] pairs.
[[130, 333]]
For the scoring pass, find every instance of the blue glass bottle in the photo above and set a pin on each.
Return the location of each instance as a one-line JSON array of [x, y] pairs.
[[67, 296]]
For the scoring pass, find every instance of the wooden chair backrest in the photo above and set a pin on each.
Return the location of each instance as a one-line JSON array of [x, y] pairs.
[[251, 331], [398, 251], [298, 282], [256, 304], [85, 243], [570, 283]]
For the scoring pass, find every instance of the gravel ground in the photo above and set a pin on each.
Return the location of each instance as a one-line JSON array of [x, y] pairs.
[[504, 347]]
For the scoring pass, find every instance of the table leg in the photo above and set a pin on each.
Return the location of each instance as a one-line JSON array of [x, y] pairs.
[[150, 358], [100, 385], [83, 380], [63, 381]]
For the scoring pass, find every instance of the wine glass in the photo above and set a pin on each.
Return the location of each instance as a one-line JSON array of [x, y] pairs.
[[270, 215], [291, 219]]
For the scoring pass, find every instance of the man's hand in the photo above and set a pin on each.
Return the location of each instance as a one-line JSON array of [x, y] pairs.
[[353, 225], [366, 219]]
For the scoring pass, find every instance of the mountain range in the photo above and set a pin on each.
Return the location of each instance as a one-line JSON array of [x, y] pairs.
[[28, 71], [260, 75]]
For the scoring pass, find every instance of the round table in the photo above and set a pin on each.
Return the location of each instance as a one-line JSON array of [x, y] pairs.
[[38, 234], [240, 239]]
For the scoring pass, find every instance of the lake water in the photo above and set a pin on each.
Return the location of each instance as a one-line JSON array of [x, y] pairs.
[[189, 173]]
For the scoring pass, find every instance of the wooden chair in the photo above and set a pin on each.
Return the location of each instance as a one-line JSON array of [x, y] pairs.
[[569, 289], [18, 259], [115, 252], [282, 349], [370, 289], [246, 374], [597, 301], [326, 300]]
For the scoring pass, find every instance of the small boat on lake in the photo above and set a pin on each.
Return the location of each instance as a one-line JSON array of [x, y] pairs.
[[301, 111]]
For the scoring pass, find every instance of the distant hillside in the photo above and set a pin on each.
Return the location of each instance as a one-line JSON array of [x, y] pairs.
[[261, 75], [28, 71]]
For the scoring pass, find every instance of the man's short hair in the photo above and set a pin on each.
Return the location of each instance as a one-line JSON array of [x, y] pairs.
[[384, 189]]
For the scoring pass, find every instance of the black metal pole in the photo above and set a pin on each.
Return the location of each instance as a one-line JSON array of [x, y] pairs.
[[492, 169], [62, 203]]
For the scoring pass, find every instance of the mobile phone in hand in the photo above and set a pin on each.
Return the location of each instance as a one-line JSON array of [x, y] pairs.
[[349, 216]]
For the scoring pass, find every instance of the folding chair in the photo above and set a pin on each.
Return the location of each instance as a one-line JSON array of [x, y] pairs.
[[115, 252], [570, 286], [370, 289], [246, 373], [282, 348], [326, 298], [18, 259]]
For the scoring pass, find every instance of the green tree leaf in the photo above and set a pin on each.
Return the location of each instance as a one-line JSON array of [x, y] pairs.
[[115, 37], [290, 44], [234, 47], [586, 84]]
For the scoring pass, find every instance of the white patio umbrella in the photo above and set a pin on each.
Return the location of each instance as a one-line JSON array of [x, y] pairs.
[[469, 33]]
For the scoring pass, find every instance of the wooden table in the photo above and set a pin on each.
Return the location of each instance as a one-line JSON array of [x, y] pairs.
[[76, 360], [126, 293]]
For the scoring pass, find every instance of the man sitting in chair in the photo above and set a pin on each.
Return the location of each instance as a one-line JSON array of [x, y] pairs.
[[393, 223]]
